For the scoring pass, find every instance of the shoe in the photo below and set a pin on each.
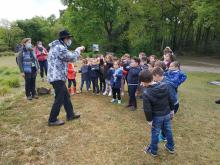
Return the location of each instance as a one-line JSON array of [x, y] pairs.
[[133, 108], [217, 102], [35, 97], [56, 123], [110, 94], [113, 101], [171, 151], [147, 150], [74, 90], [69, 90], [76, 116], [105, 93], [119, 101], [128, 106], [29, 98]]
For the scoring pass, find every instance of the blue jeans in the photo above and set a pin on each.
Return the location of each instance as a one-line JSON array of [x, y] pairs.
[[87, 84], [161, 123]]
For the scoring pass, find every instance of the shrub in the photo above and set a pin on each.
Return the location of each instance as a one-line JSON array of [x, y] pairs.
[[7, 53]]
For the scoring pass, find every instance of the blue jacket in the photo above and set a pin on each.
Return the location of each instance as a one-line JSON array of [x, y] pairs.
[[175, 78], [133, 75], [116, 81], [84, 70]]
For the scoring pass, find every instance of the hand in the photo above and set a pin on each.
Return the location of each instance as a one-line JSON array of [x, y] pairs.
[[82, 48], [150, 123], [172, 114]]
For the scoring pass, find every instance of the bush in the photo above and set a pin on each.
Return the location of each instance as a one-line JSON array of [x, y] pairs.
[[12, 82]]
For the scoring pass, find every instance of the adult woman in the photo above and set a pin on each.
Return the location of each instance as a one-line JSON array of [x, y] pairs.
[[28, 66], [41, 54]]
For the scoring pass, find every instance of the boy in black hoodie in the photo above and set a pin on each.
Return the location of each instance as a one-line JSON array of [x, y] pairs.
[[157, 108], [94, 75]]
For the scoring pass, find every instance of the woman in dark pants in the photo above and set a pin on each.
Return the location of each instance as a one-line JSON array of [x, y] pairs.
[[28, 66], [41, 54]]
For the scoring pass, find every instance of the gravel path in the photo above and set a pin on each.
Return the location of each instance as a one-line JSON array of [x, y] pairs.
[[201, 69]]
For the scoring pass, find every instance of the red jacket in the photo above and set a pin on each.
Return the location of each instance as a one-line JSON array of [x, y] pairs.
[[71, 72], [41, 56]]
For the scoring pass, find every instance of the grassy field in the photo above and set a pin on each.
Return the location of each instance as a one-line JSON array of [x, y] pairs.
[[110, 134]]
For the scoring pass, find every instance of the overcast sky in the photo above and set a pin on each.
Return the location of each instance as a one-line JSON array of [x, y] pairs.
[[24, 9]]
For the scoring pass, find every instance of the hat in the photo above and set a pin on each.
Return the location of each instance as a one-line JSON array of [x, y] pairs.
[[63, 34], [25, 40]]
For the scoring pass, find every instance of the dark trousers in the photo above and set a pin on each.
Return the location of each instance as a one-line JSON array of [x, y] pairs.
[[87, 84], [62, 97], [116, 92], [102, 83], [70, 82], [176, 107], [132, 98], [95, 85], [43, 68], [30, 83]]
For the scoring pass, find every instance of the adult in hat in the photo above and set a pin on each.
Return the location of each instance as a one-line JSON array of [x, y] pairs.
[[28, 66], [58, 59]]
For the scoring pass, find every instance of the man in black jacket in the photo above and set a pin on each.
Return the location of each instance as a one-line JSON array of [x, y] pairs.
[[157, 108]]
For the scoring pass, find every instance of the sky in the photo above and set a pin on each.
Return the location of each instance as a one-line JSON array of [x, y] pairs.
[[24, 9]]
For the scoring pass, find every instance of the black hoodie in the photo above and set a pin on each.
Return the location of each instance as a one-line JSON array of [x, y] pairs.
[[157, 101]]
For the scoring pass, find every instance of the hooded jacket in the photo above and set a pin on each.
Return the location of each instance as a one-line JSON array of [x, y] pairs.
[[58, 59], [175, 77], [157, 101]]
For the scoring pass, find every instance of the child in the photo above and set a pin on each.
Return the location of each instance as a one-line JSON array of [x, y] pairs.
[[94, 75], [101, 74], [160, 64], [174, 78], [168, 56], [157, 109], [133, 82], [116, 82], [143, 63], [84, 70], [125, 62], [152, 59], [107, 74], [71, 78]]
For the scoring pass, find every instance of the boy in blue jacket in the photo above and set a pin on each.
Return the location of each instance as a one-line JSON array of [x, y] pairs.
[[116, 82], [133, 82]]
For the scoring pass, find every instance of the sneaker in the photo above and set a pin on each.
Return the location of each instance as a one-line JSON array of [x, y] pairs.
[[110, 94], [76, 116], [171, 151], [105, 93], [56, 123], [119, 101], [133, 108], [29, 98], [217, 102], [147, 150], [113, 101]]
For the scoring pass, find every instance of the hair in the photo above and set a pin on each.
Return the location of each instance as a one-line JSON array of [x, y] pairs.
[[167, 50], [85, 61], [109, 57], [146, 76], [176, 64], [25, 40], [126, 55], [137, 60], [117, 62], [160, 64], [154, 56], [39, 42], [157, 71]]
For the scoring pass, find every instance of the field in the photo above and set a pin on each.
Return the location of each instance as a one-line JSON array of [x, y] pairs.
[[106, 133]]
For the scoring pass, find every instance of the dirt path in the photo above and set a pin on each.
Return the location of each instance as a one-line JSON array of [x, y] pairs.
[[201, 69]]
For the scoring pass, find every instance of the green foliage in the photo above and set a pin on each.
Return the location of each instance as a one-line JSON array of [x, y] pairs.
[[7, 53]]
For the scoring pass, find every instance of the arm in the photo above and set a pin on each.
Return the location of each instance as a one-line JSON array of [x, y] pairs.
[[67, 56], [182, 78], [147, 108]]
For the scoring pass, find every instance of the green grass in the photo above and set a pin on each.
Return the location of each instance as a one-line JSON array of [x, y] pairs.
[[108, 133]]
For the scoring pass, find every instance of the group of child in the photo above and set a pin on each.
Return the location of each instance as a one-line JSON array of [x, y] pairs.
[[155, 80]]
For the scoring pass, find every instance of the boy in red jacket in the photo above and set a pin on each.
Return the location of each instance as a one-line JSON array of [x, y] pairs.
[[71, 78]]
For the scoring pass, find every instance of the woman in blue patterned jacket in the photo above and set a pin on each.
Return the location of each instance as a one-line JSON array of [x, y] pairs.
[[58, 58]]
